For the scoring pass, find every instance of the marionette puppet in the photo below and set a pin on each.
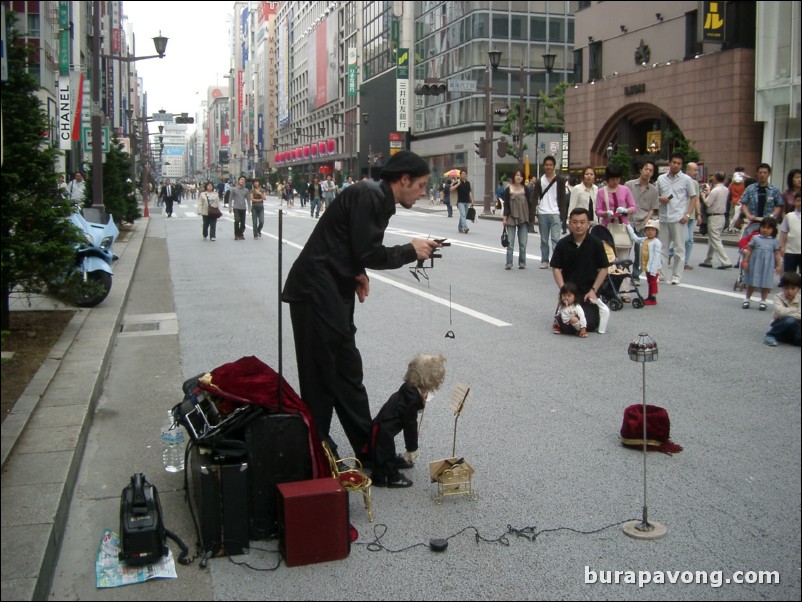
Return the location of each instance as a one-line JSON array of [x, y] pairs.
[[425, 374]]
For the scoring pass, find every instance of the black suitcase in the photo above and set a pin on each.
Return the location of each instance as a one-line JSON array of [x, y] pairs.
[[278, 452], [236, 523], [204, 489], [219, 488], [278, 444]]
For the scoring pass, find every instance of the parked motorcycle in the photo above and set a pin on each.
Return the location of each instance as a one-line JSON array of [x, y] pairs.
[[93, 258]]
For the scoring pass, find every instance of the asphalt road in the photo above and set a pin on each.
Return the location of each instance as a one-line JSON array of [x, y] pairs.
[[540, 427]]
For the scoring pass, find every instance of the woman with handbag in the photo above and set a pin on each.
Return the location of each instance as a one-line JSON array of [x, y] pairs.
[[209, 208], [517, 215], [614, 202]]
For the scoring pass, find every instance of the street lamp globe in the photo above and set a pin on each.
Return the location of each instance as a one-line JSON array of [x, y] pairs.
[[548, 61], [495, 57], [161, 44]]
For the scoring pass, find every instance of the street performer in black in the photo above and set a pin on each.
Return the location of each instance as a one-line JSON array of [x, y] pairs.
[[323, 281]]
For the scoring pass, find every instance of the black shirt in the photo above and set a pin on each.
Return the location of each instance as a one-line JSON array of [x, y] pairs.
[[464, 192], [348, 239], [580, 264]]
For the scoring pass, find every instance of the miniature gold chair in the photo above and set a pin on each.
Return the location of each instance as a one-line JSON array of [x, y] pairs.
[[352, 478]]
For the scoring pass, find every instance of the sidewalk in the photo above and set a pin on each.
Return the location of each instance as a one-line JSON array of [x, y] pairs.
[[43, 437]]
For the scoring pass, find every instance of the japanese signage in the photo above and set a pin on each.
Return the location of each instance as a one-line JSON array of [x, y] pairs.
[[352, 72], [713, 29], [402, 90]]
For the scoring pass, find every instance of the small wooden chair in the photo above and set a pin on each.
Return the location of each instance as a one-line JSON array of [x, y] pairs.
[[351, 477]]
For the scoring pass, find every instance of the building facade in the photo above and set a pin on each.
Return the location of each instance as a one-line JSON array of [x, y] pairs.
[[649, 74]]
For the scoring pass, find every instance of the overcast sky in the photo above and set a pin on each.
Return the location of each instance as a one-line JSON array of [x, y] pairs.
[[197, 55]]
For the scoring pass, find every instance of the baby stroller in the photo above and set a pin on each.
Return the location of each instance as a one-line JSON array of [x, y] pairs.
[[620, 270], [746, 235]]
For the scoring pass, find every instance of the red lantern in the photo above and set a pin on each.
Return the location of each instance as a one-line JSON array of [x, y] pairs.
[[321, 148], [314, 149], [331, 146], [306, 151]]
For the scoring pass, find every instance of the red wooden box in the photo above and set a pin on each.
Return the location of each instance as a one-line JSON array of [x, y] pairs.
[[313, 521]]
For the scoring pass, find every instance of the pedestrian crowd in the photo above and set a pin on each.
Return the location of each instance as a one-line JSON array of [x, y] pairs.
[[656, 219]]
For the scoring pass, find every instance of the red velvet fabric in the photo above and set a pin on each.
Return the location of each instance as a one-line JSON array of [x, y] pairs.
[[250, 380], [658, 428]]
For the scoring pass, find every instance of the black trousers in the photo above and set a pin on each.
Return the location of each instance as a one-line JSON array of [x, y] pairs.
[[239, 222], [383, 449], [330, 375], [169, 206]]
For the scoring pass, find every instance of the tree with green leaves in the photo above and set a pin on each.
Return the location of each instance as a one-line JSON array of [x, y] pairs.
[[677, 143], [623, 158], [118, 187], [554, 108], [552, 119], [37, 237], [511, 126]]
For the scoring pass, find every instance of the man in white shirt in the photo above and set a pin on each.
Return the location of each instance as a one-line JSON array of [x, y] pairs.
[[329, 191], [676, 193], [716, 203], [77, 189], [552, 208]]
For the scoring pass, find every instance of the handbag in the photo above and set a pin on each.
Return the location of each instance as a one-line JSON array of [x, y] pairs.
[[617, 229], [471, 214], [505, 239], [213, 212]]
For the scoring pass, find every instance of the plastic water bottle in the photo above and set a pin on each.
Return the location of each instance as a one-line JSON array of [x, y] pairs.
[[172, 445]]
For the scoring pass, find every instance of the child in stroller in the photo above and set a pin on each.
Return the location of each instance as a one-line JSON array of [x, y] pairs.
[[619, 271]]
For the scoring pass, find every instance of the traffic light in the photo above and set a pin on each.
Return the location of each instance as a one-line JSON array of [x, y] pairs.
[[481, 148], [501, 150], [431, 88], [182, 118]]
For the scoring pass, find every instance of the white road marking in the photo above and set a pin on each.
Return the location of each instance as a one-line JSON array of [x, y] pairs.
[[428, 296]]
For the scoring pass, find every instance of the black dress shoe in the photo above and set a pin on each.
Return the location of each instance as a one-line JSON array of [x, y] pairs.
[[401, 463], [725, 267], [398, 481]]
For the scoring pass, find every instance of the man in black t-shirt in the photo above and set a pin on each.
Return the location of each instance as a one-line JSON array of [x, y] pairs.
[[581, 259]]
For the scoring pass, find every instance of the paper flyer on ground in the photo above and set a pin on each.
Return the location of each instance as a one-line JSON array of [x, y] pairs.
[[112, 572]]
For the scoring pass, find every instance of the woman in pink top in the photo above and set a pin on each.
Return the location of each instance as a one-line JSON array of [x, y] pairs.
[[613, 201]]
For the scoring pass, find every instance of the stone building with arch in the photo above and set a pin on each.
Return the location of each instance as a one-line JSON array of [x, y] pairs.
[[647, 73]]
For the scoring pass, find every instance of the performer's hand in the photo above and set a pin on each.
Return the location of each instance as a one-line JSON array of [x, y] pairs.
[[424, 247], [411, 456], [362, 287]]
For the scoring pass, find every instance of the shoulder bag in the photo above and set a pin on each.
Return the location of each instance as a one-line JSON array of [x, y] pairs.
[[213, 212]]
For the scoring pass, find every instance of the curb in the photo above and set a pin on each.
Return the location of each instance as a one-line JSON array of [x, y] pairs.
[[43, 444]]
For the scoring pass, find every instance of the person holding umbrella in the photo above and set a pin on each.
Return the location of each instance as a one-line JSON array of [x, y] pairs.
[[449, 175]]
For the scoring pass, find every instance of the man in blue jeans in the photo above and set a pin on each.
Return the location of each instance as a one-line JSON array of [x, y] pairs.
[[464, 199], [552, 208]]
